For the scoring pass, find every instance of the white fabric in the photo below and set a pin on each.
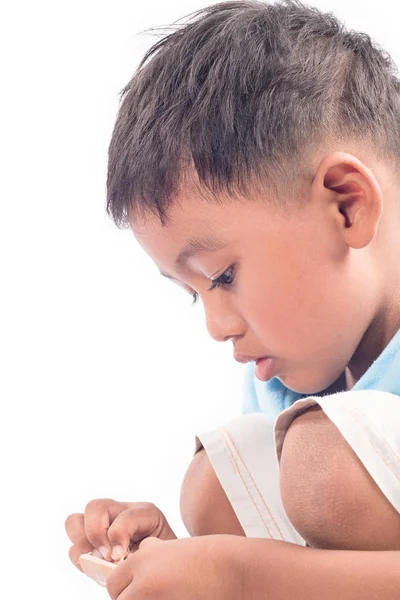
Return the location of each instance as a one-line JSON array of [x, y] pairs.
[[245, 455]]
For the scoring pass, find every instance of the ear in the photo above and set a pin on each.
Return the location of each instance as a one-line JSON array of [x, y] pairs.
[[352, 194]]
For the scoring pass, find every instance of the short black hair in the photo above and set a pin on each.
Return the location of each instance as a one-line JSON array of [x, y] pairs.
[[245, 92]]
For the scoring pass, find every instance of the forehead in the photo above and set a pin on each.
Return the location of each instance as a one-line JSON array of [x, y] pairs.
[[191, 219], [239, 224]]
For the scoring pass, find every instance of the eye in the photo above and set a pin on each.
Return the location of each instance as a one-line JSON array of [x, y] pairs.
[[226, 279]]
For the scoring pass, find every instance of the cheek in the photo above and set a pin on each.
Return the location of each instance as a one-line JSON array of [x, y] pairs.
[[281, 292], [295, 306], [310, 317]]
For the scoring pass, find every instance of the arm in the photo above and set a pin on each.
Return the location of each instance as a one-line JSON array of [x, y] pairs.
[[274, 570]]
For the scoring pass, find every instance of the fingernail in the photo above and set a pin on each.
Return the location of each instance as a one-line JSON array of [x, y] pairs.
[[104, 551], [116, 552]]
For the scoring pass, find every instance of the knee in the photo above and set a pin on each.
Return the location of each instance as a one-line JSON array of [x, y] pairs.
[[327, 493], [204, 506]]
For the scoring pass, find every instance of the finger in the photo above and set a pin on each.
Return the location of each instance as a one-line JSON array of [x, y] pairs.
[[75, 528], [139, 521], [148, 541], [74, 554], [121, 578], [99, 514]]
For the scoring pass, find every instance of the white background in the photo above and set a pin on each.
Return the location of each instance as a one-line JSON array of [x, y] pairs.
[[107, 372]]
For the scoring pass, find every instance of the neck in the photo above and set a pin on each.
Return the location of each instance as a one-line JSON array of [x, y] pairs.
[[378, 335]]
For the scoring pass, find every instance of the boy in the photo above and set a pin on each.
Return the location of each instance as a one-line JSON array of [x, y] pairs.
[[255, 158]]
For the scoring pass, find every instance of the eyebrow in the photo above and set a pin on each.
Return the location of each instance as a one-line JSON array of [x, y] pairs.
[[197, 245]]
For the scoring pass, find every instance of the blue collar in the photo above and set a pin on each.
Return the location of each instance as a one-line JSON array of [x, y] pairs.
[[272, 397]]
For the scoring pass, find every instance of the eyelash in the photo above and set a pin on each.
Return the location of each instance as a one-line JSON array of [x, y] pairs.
[[219, 282]]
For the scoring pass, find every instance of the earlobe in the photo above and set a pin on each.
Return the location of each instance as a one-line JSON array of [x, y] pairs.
[[353, 194]]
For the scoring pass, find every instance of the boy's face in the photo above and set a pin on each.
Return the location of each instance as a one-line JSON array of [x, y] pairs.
[[289, 285]]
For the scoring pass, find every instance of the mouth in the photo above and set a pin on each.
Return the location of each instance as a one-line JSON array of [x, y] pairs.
[[245, 358], [265, 365], [265, 368]]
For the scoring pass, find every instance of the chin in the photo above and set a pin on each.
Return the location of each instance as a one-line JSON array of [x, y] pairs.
[[312, 388]]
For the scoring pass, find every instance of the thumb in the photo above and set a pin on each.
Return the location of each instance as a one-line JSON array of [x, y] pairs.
[[150, 540]]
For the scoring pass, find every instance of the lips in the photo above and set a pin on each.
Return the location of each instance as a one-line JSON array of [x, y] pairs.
[[265, 369], [245, 358], [265, 366]]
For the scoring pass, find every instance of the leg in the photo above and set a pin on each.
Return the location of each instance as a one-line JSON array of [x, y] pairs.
[[329, 496], [205, 508]]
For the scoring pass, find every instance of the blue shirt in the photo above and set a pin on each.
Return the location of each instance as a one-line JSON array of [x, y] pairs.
[[272, 397]]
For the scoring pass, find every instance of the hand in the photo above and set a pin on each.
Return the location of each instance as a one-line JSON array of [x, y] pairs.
[[107, 523], [198, 568]]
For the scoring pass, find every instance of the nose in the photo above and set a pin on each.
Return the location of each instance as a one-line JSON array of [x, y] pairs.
[[223, 325]]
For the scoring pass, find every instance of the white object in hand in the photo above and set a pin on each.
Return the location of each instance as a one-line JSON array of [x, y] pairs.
[[97, 568]]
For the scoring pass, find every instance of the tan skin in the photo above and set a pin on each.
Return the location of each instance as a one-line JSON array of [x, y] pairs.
[[343, 240], [328, 495], [294, 292]]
